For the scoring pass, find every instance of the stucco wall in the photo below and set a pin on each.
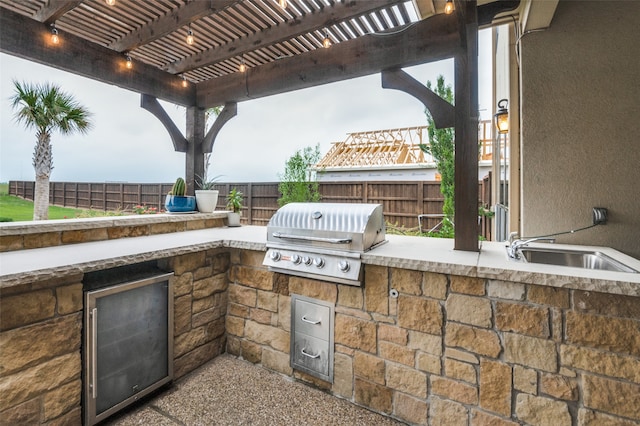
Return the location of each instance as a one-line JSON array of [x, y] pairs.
[[581, 124]]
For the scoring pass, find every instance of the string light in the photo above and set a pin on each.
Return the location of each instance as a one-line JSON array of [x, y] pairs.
[[326, 41], [282, 3], [190, 38], [55, 39], [129, 63], [110, 2], [448, 8]]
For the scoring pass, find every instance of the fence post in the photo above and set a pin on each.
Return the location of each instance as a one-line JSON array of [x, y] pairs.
[[250, 203], [122, 195], [420, 198]]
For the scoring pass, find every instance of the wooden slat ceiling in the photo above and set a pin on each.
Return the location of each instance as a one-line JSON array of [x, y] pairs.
[[227, 32]]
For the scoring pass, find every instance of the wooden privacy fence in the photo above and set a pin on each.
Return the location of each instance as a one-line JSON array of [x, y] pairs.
[[402, 201]]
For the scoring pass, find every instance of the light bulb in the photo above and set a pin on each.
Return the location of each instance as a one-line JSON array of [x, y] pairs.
[[448, 8], [184, 82], [129, 63], [242, 67], [326, 41], [282, 3], [190, 38], [55, 39], [110, 2]]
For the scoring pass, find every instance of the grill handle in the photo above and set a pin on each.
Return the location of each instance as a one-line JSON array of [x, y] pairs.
[[307, 238]]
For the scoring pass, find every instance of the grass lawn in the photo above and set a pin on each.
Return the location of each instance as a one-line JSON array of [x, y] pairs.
[[17, 209]]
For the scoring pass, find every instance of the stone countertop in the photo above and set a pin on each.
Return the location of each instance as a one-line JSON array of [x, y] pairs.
[[21, 266], [74, 224], [424, 254]]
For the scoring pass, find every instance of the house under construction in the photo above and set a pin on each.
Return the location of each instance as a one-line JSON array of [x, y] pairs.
[[392, 154]]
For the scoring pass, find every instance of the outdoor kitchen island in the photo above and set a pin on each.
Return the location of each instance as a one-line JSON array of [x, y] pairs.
[[433, 335]]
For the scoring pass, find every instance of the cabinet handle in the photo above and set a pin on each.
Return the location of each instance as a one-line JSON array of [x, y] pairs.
[[94, 353], [314, 322], [309, 355]]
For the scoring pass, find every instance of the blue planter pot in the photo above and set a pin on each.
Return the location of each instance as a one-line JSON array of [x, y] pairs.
[[180, 204]]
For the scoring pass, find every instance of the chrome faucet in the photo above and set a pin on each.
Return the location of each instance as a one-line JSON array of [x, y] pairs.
[[516, 244]]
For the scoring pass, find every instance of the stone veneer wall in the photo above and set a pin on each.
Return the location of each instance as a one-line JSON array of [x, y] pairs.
[[41, 333], [449, 350], [453, 350]]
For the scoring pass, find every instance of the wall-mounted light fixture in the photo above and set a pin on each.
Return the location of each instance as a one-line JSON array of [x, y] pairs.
[[129, 63], [326, 41], [243, 66], [449, 7], [190, 38], [55, 39], [185, 83], [502, 117], [282, 3]]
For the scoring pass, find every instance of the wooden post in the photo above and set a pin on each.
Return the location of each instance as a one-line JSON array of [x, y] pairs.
[[466, 129], [194, 165]]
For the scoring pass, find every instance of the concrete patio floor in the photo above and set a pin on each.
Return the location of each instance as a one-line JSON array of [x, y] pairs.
[[230, 391]]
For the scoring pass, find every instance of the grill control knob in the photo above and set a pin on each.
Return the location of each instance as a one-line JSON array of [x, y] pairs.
[[296, 259], [275, 256], [318, 262], [344, 266], [306, 260]]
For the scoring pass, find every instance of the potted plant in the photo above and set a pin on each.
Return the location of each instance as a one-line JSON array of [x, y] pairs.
[[234, 203], [206, 196], [176, 200]]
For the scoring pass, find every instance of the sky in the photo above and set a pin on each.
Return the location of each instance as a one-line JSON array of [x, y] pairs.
[[128, 144]]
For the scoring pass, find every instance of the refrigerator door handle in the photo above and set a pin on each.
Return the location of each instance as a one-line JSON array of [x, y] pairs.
[[94, 353]]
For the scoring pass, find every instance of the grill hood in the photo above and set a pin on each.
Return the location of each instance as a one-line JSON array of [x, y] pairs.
[[335, 226], [323, 240]]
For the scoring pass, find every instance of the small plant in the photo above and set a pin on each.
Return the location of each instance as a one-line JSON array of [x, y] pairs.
[[207, 184], [179, 188], [145, 209], [234, 201], [177, 201]]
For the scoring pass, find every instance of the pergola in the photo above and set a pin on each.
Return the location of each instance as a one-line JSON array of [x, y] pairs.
[[143, 47]]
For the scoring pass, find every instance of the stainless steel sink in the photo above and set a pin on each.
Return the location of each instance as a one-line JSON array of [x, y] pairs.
[[574, 258]]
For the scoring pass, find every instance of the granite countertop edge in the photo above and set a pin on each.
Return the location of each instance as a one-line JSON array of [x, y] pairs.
[[422, 254]]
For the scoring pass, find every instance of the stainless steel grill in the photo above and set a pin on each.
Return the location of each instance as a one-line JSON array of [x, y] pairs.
[[323, 240]]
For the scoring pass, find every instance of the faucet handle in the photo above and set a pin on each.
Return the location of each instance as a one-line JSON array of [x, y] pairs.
[[513, 236]]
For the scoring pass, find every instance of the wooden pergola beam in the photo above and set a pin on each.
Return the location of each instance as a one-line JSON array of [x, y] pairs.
[[229, 111], [429, 40], [443, 112], [29, 39], [54, 10], [152, 105], [167, 24], [316, 21]]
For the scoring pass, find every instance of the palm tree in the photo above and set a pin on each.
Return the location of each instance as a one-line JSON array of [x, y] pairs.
[[47, 109]]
